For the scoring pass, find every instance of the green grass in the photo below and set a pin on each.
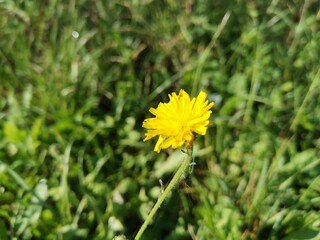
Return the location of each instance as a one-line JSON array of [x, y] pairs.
[[72, 161]]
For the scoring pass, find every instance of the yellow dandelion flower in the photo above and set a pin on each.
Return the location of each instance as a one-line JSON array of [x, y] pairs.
[[176, 122]]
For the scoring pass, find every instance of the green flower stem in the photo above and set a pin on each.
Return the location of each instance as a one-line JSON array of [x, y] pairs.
[[163, 196]]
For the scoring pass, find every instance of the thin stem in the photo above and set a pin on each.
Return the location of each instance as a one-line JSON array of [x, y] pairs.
[[163, 196]]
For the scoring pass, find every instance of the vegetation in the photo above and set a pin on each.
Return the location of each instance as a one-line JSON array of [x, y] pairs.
[[77, 79]]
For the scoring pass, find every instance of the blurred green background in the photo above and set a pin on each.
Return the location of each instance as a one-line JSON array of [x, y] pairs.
[[77, 79]]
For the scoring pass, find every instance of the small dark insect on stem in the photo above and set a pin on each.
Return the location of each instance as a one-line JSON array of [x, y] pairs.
[[190, 143]]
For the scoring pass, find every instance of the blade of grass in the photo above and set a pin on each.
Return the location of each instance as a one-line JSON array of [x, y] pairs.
[[311, 91], [64, 189], [205, 54]]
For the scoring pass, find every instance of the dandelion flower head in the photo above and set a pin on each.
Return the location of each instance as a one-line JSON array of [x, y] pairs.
[[176, 122]]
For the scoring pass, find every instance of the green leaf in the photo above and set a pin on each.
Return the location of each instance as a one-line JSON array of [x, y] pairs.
[[12, 133], [304, 234], [3, 231]]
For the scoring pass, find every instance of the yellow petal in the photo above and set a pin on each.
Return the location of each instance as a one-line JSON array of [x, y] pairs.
[[157, 148], [175, 121]]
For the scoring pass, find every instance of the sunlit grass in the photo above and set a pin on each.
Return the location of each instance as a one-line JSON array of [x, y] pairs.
[[72, 161]]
